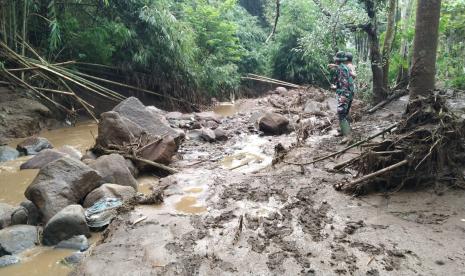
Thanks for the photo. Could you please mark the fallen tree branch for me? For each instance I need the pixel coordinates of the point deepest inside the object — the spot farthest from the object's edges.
(388, 100)
(347, 148)
(375, 174)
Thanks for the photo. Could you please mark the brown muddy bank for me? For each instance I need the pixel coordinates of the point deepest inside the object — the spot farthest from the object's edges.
(229, 212)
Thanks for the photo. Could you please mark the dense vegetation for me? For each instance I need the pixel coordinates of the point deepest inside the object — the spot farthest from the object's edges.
(200, 48)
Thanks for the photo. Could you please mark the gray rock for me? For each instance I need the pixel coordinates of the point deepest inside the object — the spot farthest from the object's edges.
(77, 243)
(67, 223)
(281, 90)
(221, 135)
(6, 211)
(115, 129)
(113, 169)
(74, 259)
(42, 158)
(208, 116)
(33, 145)
(17, 238)
(61, 183)
(19, 216)
(160, 152)
(109, 191)
(194, 134)
(313, 106)
(8, 260)
(8, 153)
(70, 151)
(151, 122)
(207, 135)
(273, 123)
(33, 214)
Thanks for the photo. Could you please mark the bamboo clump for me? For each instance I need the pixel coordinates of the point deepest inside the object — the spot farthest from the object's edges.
(52, 82)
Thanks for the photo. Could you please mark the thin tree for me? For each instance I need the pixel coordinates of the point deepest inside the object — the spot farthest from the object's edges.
(388, 40)
(423, 72)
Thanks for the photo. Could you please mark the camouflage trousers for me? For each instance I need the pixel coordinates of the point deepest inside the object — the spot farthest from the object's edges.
(344, 102)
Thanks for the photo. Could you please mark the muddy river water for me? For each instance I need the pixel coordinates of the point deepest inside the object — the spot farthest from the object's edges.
(13, 182)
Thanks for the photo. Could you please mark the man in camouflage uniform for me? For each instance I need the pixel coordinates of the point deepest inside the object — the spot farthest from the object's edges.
(344, 84)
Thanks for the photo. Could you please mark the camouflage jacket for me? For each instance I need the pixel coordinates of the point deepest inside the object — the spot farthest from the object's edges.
(342, 79)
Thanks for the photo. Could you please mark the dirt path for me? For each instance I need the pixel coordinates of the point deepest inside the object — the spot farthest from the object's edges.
(283, 220)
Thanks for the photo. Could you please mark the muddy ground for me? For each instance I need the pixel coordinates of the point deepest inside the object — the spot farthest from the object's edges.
(221, 218)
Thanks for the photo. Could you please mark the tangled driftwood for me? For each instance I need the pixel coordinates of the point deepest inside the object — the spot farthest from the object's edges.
(427, 147)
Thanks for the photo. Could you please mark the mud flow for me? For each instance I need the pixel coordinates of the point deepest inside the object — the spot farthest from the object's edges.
(229, 211)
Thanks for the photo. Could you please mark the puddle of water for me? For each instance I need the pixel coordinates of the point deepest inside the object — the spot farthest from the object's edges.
(40, 261)
(189, 205)
(226, 109)
(249, 158)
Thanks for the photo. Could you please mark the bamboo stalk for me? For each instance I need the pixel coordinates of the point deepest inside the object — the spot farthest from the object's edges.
(33, 89)
(133, 87)
(263, 77)
(268, 81)
(72, 80)
(36, 68)
(54, 91)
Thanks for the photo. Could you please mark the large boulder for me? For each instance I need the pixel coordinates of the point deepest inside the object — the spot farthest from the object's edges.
(17, 238)
(114, 129)
(8, 153)
(109, 191)
(273, 123)
(33, 145)
(61, 183)
(113, 169)
(69, 222)
(41, 159)
(150, 121)
(6, 211)
(161, 151)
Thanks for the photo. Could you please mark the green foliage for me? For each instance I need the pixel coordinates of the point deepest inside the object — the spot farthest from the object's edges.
(201, 48)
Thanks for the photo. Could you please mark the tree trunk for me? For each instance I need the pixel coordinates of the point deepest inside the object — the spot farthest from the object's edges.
(379, 91)
(406, 13)
(422, 75)
(388, 39)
